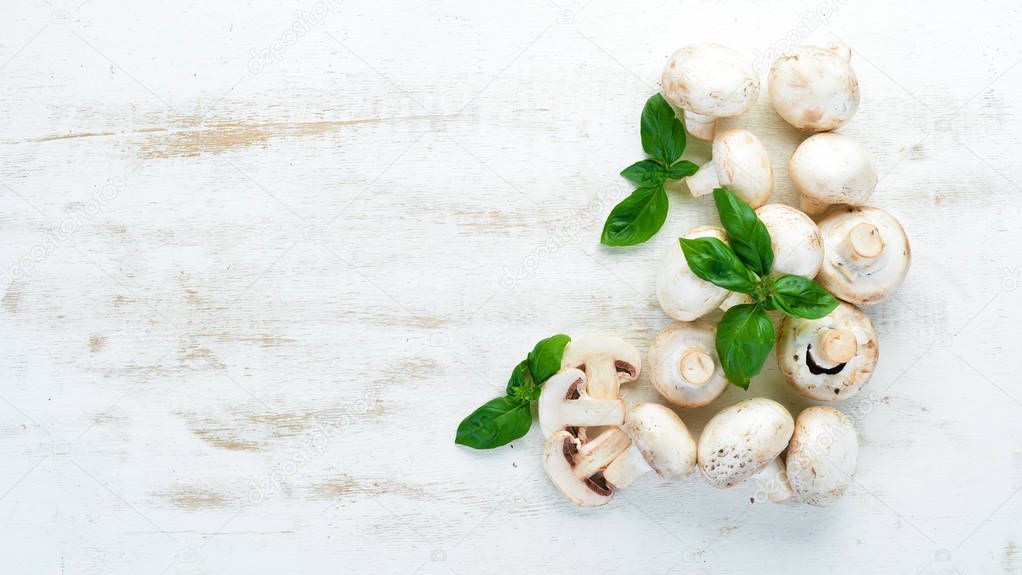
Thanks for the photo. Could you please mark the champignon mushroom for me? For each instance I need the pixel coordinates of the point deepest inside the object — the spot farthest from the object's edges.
(708, 81)
(744, 441)
(607, 361)
(740, 162)
(660, 443)
(565, 403)
(682, 294)
(683, 364)
(828, 169)
(822, 455)
(830, 358)
(866, 254)
(814, 88)
(576, 467)
(795, 240)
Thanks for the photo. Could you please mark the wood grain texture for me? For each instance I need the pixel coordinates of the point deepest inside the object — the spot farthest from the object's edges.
(260, 259)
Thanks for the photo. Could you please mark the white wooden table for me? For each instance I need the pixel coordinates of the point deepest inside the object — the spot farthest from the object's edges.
(259, 259)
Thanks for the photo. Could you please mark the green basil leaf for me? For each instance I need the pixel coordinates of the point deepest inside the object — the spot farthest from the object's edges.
(521, 385)
(801, 297)
(545, 358)
(663, 134)
(637, 218)
(497, 422)
(746, 234)
(682, 169)
(744, 338)
(713, 261)
(645, 173)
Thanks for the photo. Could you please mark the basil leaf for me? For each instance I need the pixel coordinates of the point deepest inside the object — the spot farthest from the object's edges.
(637, 218)
(682, 169)
(663, 134)
(746, 234)
(645, 173)
(801, 297)
(744, 338)
(713, 261)
(497, 422)
(521, 385)
(545, 358)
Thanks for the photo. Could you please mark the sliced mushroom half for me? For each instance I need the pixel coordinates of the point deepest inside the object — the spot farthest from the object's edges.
(866, 254)
(683, 364)
(830, 358)
(576, 467)
(607, 361)
(564, 403)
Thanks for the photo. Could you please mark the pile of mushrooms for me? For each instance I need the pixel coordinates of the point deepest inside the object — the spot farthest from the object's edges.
(596, 444)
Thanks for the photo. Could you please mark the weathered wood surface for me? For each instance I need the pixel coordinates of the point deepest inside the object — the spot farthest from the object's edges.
(253, 280)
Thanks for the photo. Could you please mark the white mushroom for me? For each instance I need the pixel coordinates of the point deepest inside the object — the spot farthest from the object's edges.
(660, 443)
(565, 404)
(744, 441)
(866, 254)
(828, 169)
(683, 364)
(709, 81)
(740, 163)
(830, 358)
(813, 88)
(607, 361)
(682, 294)
(576, 467)
(794, 239)
(822, 455)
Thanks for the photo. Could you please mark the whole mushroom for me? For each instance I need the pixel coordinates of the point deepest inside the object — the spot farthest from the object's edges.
(564, 403)
(830, 358)
(795, 240)
(865, 254)
(740, 163)
(575, 466)
(744, 441)
(814, 88)
(607, 361)
(683, 364)
(708, 81)
(682, 294)
(822, 455)
(828, 169)
(660, 443)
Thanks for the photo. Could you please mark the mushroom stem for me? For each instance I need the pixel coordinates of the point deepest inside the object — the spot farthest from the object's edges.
(628, 467)
(700, 126)
(838, 345)
(773, 480)
(864, 241)
(704, 180)
(601, 374)
(697, 366)
(597, 454)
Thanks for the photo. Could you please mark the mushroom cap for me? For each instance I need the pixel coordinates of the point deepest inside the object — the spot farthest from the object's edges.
(710, 79)
(559, 461)
(742, 439)
(589, 348)
(662, 439)
(822, 455)
(865, 254)
(743, 165)
(832, 169)
(682, 294)
(564, 402)
(814, 88)
(794, 238)
(683, 352)
(802, 339)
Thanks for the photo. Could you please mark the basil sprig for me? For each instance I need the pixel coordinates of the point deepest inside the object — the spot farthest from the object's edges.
(504, 419)
(745, 333)
(641, 215)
